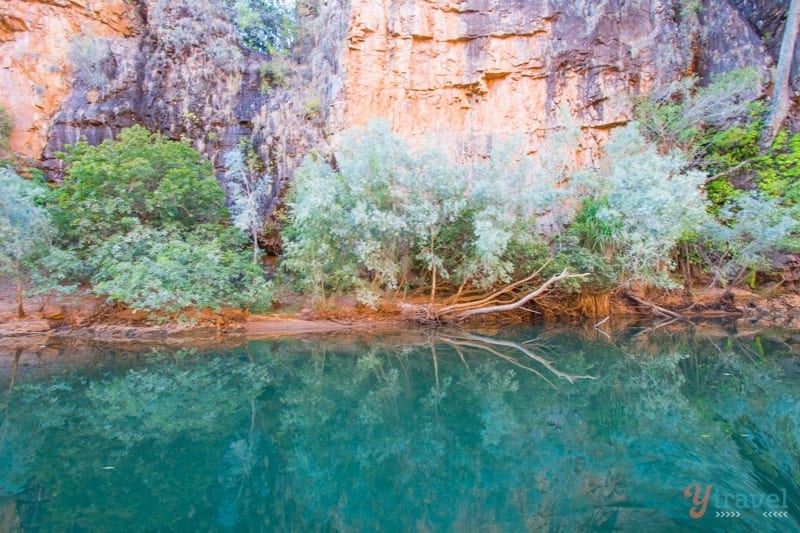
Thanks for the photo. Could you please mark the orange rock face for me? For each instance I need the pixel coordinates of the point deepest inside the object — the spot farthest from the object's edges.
(484, 68)
(35, 74)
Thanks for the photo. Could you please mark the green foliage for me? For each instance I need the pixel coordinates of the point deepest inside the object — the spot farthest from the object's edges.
(158, 269)
(679, 115)
(142, 214)
(748, 228)
(779, 169)
(734, 154)
(266, 26)
(6, 123)
(389, 217)
(141, 179)
(642, 204)
(24, 226)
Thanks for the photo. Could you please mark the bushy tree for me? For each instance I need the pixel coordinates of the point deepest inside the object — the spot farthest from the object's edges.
(643, 204)
(159, 269)
(25, 230)
(746, 230)
(143, 178)
(389, 216)
(144, 215)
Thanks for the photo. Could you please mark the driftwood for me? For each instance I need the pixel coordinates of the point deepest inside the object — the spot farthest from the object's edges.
(499, 301)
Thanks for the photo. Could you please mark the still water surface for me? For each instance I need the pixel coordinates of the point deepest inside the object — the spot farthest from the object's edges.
(524, 430)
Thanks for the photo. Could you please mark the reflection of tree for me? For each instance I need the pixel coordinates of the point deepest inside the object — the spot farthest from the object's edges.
(439, 434)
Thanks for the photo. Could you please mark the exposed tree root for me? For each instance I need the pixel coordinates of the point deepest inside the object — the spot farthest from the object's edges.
(655, 308)
(500, 301)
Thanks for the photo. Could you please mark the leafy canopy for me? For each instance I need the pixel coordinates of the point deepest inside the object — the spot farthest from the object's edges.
(24, 225)
(160, 269)
(267, 26)
(144, 214)
(390, 217)
(141, 179)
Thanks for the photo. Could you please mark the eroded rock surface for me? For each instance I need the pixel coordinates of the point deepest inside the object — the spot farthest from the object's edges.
(487, 67)
(36, 76)
(476, 69)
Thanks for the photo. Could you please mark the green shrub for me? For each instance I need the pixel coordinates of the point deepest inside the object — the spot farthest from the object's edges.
(644, 203)
(141, 179)
(267, 26)
(161, 269)
(390, 217)
(747, 229)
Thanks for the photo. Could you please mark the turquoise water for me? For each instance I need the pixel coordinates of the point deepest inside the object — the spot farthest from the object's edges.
(527, 430)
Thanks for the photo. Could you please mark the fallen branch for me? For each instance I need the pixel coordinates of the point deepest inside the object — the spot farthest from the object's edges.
(448, 309)
(656, 309)
(460, 312)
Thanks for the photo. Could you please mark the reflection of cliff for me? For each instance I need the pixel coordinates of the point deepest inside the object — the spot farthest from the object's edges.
(471, 68)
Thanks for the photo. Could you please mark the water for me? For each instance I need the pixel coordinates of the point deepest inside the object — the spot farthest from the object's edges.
(528, 430)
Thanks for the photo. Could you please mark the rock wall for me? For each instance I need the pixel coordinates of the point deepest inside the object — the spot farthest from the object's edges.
(484, 68)
(36, 76)
(475, 69)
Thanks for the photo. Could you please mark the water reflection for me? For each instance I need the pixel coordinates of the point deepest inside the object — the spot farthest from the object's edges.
(432, 430)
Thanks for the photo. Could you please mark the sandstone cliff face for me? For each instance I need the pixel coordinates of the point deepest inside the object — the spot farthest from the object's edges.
(483, 68)
(35, 72)
(475, 69)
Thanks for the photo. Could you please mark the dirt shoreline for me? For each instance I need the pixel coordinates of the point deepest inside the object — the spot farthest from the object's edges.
(86, 319)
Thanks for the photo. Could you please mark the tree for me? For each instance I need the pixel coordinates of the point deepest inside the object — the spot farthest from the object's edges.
(390, 217)
(748, 228)
(267, 26)
(25, 229)
(141, 179)
(249, 194)
(648, 201)
(145, 214)
(781, 90)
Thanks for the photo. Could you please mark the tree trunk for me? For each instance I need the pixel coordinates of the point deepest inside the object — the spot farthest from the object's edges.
(781, 90)
(254, 233)
(20, 309)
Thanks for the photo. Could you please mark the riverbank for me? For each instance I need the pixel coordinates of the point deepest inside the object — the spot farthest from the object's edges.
(85, 317)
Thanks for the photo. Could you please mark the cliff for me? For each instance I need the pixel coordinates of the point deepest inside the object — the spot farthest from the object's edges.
(35, 72)
(482, 68)
(474, 69)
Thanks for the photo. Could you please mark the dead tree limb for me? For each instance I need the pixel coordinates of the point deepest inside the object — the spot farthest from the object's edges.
(474, 304)
(656, 309)
(482, 307)
(781, 90)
